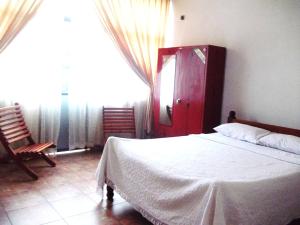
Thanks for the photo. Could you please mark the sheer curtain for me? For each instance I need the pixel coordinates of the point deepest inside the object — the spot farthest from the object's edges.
(138, 28)
(30, 74)
(64, 49)
(14, 14)
(97, 76)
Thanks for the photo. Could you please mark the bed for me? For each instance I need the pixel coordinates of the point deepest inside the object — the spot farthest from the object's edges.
(205, 179)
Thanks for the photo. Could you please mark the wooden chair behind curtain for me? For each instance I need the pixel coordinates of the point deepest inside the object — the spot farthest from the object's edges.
(118, 121)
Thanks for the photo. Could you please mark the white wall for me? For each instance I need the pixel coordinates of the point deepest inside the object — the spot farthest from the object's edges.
(262, 37)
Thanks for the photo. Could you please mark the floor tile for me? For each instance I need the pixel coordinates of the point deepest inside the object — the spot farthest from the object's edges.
(41, 184)
(126, 214)
(92, 218)
(2, 211)
(4, 220)
(35, 215)
(60, 192)
(59, 222)
(73, 206)
(20, 200)
(105, 203)
(56, 181)
(3, 217)
(18, 186)
(120, 210)
(85, 186)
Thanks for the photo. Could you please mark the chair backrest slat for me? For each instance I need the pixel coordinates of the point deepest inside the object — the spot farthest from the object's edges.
(13, 128)
(9, 121)
(18, 138)
(5, 113)
(12, 124)
(17, 134)
(9, 108)
(118, 120)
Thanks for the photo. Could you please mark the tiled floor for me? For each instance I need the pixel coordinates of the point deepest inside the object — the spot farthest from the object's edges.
(62, 195)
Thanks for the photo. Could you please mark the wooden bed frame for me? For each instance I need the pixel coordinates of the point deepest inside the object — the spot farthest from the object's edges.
(283, 130)
(232, 119)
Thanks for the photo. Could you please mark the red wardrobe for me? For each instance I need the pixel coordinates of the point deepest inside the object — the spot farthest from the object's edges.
(188, 90)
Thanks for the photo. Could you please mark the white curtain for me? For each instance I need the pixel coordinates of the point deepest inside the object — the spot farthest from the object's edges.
(63, 49)
(138, 28)
(98, 76)
(30, 74)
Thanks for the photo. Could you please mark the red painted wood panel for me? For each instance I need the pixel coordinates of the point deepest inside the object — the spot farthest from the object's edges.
(198, 90)
(180, 95)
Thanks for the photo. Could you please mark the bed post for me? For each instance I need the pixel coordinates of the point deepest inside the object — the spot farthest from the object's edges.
(231, 116)
(110, 193)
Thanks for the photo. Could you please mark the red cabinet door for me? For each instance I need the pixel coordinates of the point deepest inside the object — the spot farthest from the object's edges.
(189, 92)
(188, 96)
(161, 127)
(195, 67)
(181, 94)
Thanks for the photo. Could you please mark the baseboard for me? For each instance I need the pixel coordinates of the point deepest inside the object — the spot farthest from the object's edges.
(97, 148)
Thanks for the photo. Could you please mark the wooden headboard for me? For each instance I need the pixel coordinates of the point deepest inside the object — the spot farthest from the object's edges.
(284, 130)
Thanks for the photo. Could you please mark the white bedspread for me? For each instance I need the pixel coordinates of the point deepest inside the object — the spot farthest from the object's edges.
(204, 180)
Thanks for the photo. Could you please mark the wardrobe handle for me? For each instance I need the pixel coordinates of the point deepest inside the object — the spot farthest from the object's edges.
(178, 101)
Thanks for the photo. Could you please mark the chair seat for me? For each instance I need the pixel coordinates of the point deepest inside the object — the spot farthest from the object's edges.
(33, 148)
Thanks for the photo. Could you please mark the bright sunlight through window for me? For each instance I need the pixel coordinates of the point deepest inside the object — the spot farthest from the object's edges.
(64, 49)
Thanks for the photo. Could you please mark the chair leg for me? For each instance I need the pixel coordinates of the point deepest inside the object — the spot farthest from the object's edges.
(25, 168)
(47, 159)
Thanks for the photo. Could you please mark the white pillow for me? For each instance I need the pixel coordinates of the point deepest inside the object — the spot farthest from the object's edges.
(242, 132)
(283, 142)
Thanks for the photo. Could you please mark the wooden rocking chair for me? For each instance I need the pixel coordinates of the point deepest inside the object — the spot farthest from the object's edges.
(13, 129)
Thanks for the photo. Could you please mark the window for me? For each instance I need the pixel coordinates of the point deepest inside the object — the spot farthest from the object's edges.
(65, 49)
